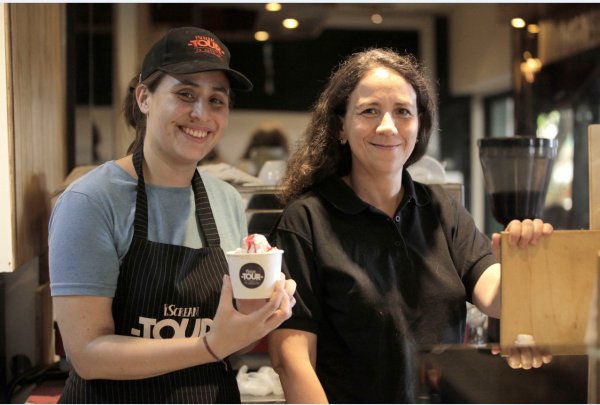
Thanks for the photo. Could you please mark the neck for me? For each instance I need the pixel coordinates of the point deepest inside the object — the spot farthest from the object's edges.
(384, 193)
(161, 171)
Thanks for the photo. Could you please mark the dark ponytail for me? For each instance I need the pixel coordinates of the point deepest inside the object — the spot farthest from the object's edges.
(131, 111)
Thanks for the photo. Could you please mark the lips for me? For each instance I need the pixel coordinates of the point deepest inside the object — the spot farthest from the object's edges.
(377, 145)
(196, 133)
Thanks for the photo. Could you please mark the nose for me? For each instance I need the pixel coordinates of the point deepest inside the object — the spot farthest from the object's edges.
(198, 110)
(387, 126)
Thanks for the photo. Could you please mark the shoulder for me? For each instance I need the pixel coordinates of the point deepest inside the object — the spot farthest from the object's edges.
(102, 193)
(301, 214)
(219, 188)
(436, 195)
(309, 201)
(446, 206)
(104, 180)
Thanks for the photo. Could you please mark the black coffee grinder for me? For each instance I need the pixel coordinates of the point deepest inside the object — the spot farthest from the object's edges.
(517, 171)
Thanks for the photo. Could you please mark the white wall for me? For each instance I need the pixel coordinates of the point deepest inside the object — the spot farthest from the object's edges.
(231, 147)
(488, 72)
(103, 118)
(243, 122)
(477, 27)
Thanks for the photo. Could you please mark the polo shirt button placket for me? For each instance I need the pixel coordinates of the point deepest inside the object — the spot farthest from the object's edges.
(397, 219)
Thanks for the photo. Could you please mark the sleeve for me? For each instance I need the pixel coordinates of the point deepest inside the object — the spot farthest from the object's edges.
(471, 249)
(82, 253)
(299, 264)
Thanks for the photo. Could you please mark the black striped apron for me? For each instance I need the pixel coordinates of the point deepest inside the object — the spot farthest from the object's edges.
(165, 291)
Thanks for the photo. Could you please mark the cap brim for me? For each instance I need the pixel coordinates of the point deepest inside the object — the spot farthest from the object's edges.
(237, 81)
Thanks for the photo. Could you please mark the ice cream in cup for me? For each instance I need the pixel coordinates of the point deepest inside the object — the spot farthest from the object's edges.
(254, 268)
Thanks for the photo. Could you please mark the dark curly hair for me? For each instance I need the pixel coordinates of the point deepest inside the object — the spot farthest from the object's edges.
(320, 154)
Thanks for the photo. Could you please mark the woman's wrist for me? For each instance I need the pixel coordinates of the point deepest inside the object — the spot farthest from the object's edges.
(215, 355)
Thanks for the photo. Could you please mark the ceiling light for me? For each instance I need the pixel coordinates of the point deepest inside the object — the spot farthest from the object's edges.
(261, 36)
(518, 23)
(376, 18)
(530, 67)
(272, 6)
(290, 23)
(533, 29)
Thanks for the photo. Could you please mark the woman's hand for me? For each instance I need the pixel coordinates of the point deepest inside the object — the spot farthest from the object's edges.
(234, 329)
(526, 357)
(247, 306)
(522, 234)
(486, 294)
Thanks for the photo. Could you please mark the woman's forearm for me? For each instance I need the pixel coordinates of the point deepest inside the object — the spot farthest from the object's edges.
(293, 356)
(487, 292)
(126, 358)
(301, 385)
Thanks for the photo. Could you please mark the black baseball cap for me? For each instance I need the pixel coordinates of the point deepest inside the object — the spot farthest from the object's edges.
(192, 50)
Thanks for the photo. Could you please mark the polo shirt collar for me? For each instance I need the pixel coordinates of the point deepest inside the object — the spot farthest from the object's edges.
(341, 196)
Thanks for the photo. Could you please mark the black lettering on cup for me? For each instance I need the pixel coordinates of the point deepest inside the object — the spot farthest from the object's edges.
(252, 275)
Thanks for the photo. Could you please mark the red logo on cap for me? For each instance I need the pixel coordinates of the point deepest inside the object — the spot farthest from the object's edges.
(207, 45)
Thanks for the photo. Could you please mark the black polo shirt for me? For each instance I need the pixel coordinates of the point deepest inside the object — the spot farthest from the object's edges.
(375, 288)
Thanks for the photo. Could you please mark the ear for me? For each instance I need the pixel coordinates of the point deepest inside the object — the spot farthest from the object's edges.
(142, 96)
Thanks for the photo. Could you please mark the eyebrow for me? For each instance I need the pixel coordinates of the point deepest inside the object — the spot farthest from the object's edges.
(188, 82)
(377, 103)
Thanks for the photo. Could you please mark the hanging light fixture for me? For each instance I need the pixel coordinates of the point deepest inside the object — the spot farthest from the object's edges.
(273, 7)
(261, 36)
(290, 23)
(376, 18)
(518, 22)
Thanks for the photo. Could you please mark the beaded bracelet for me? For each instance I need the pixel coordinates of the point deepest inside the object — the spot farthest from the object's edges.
(213, 353)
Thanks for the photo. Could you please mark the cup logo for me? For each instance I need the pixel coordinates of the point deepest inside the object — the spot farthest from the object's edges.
(252, 275)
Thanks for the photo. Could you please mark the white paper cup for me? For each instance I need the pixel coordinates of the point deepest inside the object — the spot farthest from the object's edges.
(253, 275)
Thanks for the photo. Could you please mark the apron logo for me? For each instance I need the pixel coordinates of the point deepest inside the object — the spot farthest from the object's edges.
(152, 328)
(186, 312)
(252, 275)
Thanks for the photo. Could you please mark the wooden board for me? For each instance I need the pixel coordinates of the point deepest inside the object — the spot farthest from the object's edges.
(547, 290)
(37, 41)
(594, 174)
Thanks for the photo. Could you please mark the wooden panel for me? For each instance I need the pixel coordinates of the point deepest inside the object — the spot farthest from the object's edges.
(594, 173)
(7, 197)
(547, 289)
(592, 339)
(39, 115)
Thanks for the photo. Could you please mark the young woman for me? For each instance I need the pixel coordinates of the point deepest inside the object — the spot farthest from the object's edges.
(138, 272)
(384, 265)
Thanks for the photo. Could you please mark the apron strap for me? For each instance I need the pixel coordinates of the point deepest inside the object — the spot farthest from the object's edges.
(204, 213)
(140, 223)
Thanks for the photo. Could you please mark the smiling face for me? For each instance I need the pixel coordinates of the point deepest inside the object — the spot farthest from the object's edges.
(381, 124)
(185, 116)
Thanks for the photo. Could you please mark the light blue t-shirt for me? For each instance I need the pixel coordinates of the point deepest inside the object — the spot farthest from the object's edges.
(91, 226)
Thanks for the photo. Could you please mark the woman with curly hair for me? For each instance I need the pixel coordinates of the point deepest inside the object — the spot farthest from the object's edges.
(384, 264)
